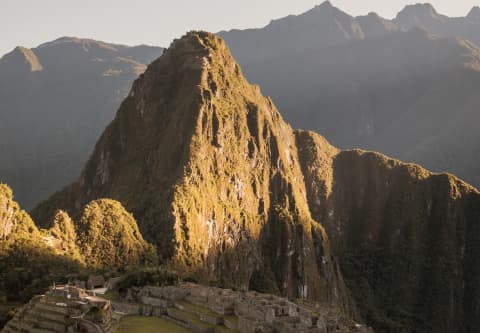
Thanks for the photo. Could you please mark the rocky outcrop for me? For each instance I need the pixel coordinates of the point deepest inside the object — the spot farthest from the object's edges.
(233, 196)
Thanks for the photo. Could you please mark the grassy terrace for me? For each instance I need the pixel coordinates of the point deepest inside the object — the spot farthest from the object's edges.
(196, 308)
(137, 324)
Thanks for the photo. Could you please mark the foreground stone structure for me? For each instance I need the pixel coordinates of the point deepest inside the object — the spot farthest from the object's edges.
(64, 309)
(214, 310)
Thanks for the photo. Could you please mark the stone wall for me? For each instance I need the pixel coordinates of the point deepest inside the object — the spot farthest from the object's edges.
(208, 309)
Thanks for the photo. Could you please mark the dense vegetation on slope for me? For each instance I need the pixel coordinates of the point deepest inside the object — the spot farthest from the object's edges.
(27, 263)
(234, 196)
(209, 169)
(124, 244)
(106, 238)
(407, 239)
(64, 92)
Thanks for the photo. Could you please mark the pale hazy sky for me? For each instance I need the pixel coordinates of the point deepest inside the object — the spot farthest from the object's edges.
(157, 22)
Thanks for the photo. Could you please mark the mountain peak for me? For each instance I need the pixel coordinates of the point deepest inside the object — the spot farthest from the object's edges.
(327, 7)
(197, 51)
(474, 14)
(23, 57)
(199, 41)
(426, 8)
(85, 43)
(417, 13)
(325, 4)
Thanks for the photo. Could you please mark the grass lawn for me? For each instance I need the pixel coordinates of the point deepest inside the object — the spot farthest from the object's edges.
(137, 324)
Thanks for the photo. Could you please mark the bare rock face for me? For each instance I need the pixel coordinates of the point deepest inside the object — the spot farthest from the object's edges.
(233, 196)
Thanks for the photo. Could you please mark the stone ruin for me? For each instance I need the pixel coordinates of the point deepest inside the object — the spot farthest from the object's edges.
(63, 309)
(213, 310)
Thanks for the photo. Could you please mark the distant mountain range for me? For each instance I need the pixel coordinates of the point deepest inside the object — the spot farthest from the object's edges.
(55, 101)
(406, 87)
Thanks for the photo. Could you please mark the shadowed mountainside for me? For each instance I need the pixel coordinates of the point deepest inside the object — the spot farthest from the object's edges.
(392, 86)
(227, 190)
(56, 100)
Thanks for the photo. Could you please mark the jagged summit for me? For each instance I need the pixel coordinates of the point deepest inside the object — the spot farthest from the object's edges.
(326, 5)
(198, 41)
(420, 15)
(326, 9)
(374, 25)
(419, 9)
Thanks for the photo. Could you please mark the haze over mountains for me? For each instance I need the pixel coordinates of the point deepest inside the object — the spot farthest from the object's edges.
(55, 101)
(406, 87)
(369, 82)
(228, 192)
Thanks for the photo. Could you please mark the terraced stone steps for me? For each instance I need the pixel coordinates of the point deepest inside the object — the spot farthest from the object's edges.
(40, 318)
(44, 315)
(41, 322)
(206, 309)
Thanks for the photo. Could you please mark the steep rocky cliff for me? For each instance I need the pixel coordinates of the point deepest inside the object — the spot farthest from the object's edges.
(210, 170)
(233, 196)
(408, 240)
